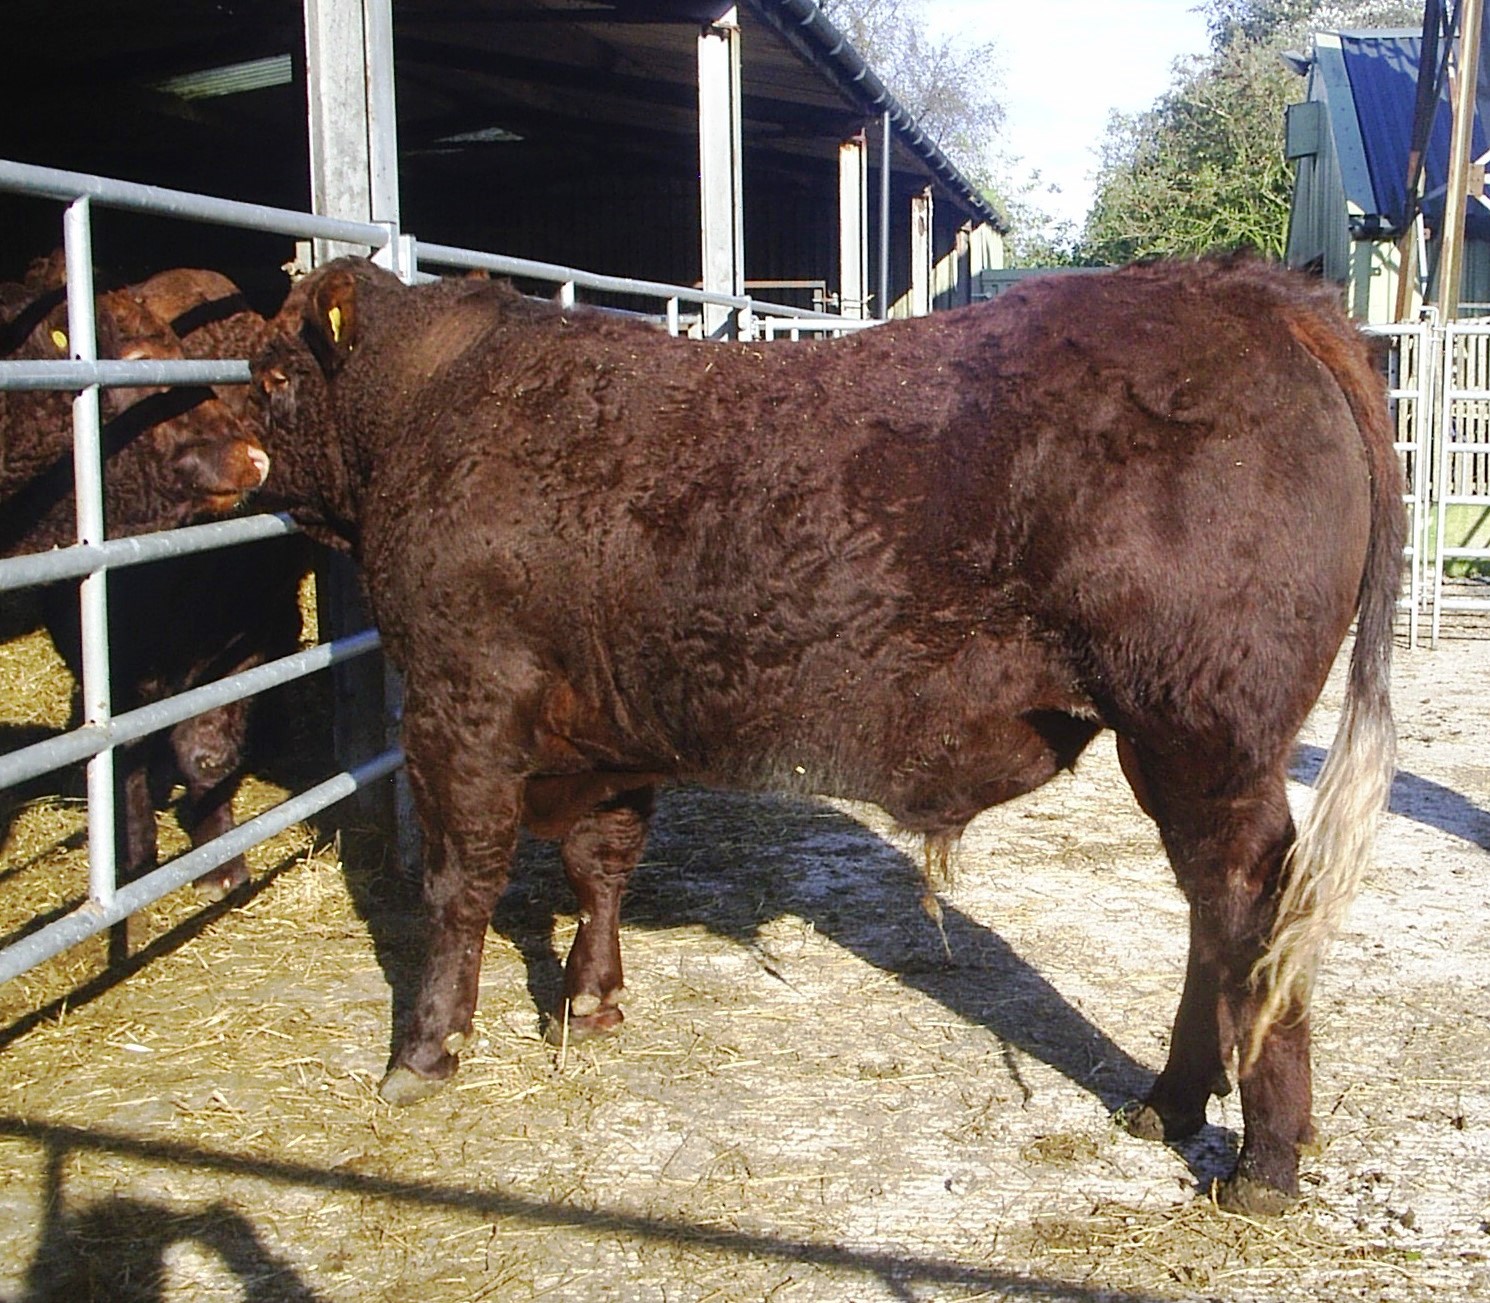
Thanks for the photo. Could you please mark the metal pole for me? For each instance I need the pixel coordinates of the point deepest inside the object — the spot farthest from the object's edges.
(884, 296)
(93, 595)
(1451, 256)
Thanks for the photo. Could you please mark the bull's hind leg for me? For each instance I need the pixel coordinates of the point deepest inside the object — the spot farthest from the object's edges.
(470, 818)
(599, 853)
(1227, 846)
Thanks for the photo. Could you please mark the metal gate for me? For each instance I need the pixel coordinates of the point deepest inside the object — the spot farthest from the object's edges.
(1461, 471)
(1410, 378)
(94, 555)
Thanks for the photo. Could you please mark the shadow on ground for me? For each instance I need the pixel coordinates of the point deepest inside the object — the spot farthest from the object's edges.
(733, 864)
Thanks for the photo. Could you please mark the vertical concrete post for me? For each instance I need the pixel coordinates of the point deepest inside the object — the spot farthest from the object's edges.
(853, 227)
(885, 171)
(922, 254)
(350, 103)
(354, 175)
(721, 187)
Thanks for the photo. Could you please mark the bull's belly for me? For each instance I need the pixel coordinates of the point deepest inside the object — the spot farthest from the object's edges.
(929, 780)
(933, 741)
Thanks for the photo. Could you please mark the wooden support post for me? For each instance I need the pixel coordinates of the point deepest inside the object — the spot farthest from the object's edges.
(1451, 249)
(853, 227)
(721, 187)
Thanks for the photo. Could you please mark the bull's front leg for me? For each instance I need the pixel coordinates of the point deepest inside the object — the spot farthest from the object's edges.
(599, 852)
(470, 821)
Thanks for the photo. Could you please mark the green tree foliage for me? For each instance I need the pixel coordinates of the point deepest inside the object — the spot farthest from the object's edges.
(1204, 167)
(950, 86)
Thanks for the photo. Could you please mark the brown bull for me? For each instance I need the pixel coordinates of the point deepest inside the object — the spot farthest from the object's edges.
(922, 567)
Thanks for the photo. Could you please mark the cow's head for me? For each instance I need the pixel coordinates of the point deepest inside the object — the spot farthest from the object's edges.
(170, 454)
(196, 455)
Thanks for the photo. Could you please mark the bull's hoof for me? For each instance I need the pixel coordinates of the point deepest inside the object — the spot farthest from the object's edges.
(604, 1021)
(1142, 1120)
(221, 882)
(1253, 1198)
(403, 1086)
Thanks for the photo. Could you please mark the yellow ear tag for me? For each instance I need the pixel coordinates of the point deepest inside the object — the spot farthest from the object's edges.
(333, 319)
(59, 338)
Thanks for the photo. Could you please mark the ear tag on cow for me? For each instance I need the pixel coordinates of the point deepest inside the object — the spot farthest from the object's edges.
(59, 338)
(333, 319)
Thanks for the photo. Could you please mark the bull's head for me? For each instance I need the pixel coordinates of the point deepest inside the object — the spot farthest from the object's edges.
(170, 454)
(314, 334)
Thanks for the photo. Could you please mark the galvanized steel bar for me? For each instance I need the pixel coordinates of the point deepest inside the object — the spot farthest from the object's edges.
(55, 183)
(111, 374)
(93, 597)
(446, 255)
(90, 919)
(94, 739)
(115, 553)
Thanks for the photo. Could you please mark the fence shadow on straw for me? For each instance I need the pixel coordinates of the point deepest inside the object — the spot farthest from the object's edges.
(83, 1256)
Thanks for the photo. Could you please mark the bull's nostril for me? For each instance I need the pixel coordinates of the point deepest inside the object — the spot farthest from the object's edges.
(260, 459)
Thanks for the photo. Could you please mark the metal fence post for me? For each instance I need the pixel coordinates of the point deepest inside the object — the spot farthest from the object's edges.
(82, 344)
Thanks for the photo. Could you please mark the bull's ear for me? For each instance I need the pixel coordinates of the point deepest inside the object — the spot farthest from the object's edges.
(329, 324)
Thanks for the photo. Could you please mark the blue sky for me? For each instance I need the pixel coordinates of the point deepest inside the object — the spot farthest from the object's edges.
(1067, 64)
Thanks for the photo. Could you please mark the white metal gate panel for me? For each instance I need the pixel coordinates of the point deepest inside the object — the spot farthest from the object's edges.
(1410, 378)
(1462, 462)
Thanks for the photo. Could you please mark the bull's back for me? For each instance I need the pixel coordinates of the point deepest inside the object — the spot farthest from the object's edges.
(839, 563)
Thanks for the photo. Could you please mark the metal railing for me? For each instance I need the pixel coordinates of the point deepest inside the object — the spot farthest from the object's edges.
(93, 556)
(747, 312)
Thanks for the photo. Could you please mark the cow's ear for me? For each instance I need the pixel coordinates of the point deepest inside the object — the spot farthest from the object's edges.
(329, 324)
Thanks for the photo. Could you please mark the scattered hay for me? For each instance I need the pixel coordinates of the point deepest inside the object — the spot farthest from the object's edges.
(1198, 1246)
(810, 1099)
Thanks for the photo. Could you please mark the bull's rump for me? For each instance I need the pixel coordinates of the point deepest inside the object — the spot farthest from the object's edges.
(909, 566)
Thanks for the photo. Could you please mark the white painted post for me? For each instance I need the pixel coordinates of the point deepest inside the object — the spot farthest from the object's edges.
(353, 135)
(354, 175)
(853, 227)
(921, 253)
(721, 188)
(883, 307)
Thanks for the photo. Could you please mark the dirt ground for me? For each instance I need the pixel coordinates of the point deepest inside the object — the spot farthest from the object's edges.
(811, 1099)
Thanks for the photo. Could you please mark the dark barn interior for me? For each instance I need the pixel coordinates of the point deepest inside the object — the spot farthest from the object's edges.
(562, 130)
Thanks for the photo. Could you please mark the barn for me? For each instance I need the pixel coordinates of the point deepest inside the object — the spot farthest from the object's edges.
(570, 133)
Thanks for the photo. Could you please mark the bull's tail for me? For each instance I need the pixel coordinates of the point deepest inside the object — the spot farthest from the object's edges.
(1333, 849)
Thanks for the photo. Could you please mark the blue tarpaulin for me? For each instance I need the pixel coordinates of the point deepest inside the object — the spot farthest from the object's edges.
(1383, 72)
